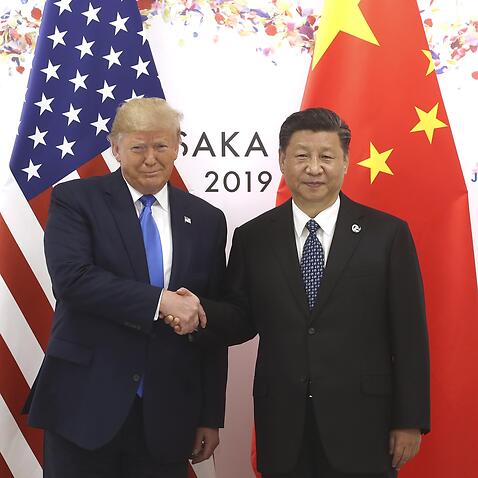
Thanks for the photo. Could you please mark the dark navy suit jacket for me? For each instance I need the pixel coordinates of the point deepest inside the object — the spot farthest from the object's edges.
(103, 337)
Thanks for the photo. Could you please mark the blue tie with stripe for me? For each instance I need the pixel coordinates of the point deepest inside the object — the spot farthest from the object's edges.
(312, 263)
(154, 251)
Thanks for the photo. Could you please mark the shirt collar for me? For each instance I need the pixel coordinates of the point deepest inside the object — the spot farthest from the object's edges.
(161, 196)
(326, 219)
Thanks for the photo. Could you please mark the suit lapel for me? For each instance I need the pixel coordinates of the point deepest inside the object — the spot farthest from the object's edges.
(284, 247)
(181, 230)
(118, 199)
(344, 242)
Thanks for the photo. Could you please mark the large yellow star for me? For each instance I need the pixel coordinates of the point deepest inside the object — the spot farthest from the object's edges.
(431, 64)
(428, 122)
(340, 16)
(377, 162)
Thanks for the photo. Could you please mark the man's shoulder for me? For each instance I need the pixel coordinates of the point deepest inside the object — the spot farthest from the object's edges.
(83, 185)
(192, 202)
(373, 214)
(264, 220)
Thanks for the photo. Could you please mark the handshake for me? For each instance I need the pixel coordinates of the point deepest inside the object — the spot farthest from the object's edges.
(182, 311)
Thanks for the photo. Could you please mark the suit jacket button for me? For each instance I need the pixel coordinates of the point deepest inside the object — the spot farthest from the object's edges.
(136, 377)
(311, 331)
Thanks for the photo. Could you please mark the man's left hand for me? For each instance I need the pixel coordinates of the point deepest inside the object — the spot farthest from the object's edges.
(404, 445)
(205, 443)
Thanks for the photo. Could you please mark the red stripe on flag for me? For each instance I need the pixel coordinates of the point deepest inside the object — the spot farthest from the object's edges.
(24, 286)
(14, 390)
(94, 167)
(4, 470)
(40, 205)
(191, 473)
(177, 181)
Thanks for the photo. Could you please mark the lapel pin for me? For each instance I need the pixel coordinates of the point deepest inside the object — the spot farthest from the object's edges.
(356, 228)
(187, 220)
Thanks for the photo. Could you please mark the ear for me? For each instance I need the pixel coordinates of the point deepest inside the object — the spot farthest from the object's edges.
(281, 160)
(115, 150)
(346, 163)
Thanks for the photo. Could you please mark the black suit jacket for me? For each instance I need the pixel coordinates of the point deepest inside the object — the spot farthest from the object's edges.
(362, 352)
(103, 337)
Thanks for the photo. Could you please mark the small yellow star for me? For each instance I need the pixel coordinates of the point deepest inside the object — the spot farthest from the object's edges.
(428, 122)
(340, 16)
(377, 162)
(431, 65)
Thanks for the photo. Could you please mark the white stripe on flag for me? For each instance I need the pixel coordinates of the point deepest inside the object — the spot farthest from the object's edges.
(18, 336)
(110, 160)
(68, 177)
(26, 230)
(14, 448)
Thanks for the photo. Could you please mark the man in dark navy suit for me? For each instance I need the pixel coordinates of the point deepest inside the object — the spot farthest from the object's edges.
(334, 291)
(119, 394)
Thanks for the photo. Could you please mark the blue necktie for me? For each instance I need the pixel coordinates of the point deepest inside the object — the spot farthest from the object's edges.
(154, 252)
(312, 263)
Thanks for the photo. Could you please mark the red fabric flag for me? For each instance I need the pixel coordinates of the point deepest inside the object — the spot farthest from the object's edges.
(372, 66)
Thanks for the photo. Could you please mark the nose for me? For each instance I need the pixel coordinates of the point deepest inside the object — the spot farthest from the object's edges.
(150, 157)
(314, 166)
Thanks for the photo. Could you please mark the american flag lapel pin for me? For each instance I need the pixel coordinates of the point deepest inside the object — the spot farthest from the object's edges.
(187, 220)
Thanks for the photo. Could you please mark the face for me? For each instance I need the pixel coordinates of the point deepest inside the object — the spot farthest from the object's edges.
(147, 158)
(313, 165)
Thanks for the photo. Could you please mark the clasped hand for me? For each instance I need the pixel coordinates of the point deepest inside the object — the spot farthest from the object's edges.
(182, 311)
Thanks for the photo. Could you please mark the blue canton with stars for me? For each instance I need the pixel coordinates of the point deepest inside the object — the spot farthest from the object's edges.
(312, 263)
(90, 57)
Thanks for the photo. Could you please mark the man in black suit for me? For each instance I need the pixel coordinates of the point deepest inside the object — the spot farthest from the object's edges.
(119, 394)
(333, 288)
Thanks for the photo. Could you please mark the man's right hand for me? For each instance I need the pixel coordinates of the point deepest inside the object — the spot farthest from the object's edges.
(181, 310)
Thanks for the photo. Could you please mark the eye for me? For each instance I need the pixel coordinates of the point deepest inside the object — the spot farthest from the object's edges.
(137, 148)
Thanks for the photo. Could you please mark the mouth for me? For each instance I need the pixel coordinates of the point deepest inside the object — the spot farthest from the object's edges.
(313, 184)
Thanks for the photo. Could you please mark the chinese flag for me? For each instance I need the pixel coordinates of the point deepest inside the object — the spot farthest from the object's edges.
(372, 66)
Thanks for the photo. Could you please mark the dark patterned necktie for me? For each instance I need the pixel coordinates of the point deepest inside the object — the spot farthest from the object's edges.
(312, 263)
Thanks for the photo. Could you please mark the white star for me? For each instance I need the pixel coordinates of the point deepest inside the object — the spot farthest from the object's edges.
(63, 5)
(119, 23)
(79, 80)
(113, 58)
(38, 137)
(44, 104)
(32, 170)
(72, 114)
(85, 47)
(141, 67)
(134, 95)
(142, 34)
(65, 147)
(106, 91)
(91, 14)
(57, 37)
(100, 124)
(50, 71)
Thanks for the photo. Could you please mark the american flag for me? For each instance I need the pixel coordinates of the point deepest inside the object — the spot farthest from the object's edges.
(90, 57)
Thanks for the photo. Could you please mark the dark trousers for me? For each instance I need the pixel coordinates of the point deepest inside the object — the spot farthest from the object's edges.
(313, 463)
(126, 456)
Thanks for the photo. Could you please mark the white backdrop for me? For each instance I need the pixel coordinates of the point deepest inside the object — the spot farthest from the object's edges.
(228, 79)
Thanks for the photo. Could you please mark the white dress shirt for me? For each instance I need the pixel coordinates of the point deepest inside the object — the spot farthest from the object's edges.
(162, 218)
(326, 219)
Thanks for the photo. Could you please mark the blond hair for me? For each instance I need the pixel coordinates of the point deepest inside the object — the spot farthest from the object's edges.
(144, 114)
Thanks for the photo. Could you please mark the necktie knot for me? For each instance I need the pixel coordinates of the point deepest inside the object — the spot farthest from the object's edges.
(147, 200)
(312, 226)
